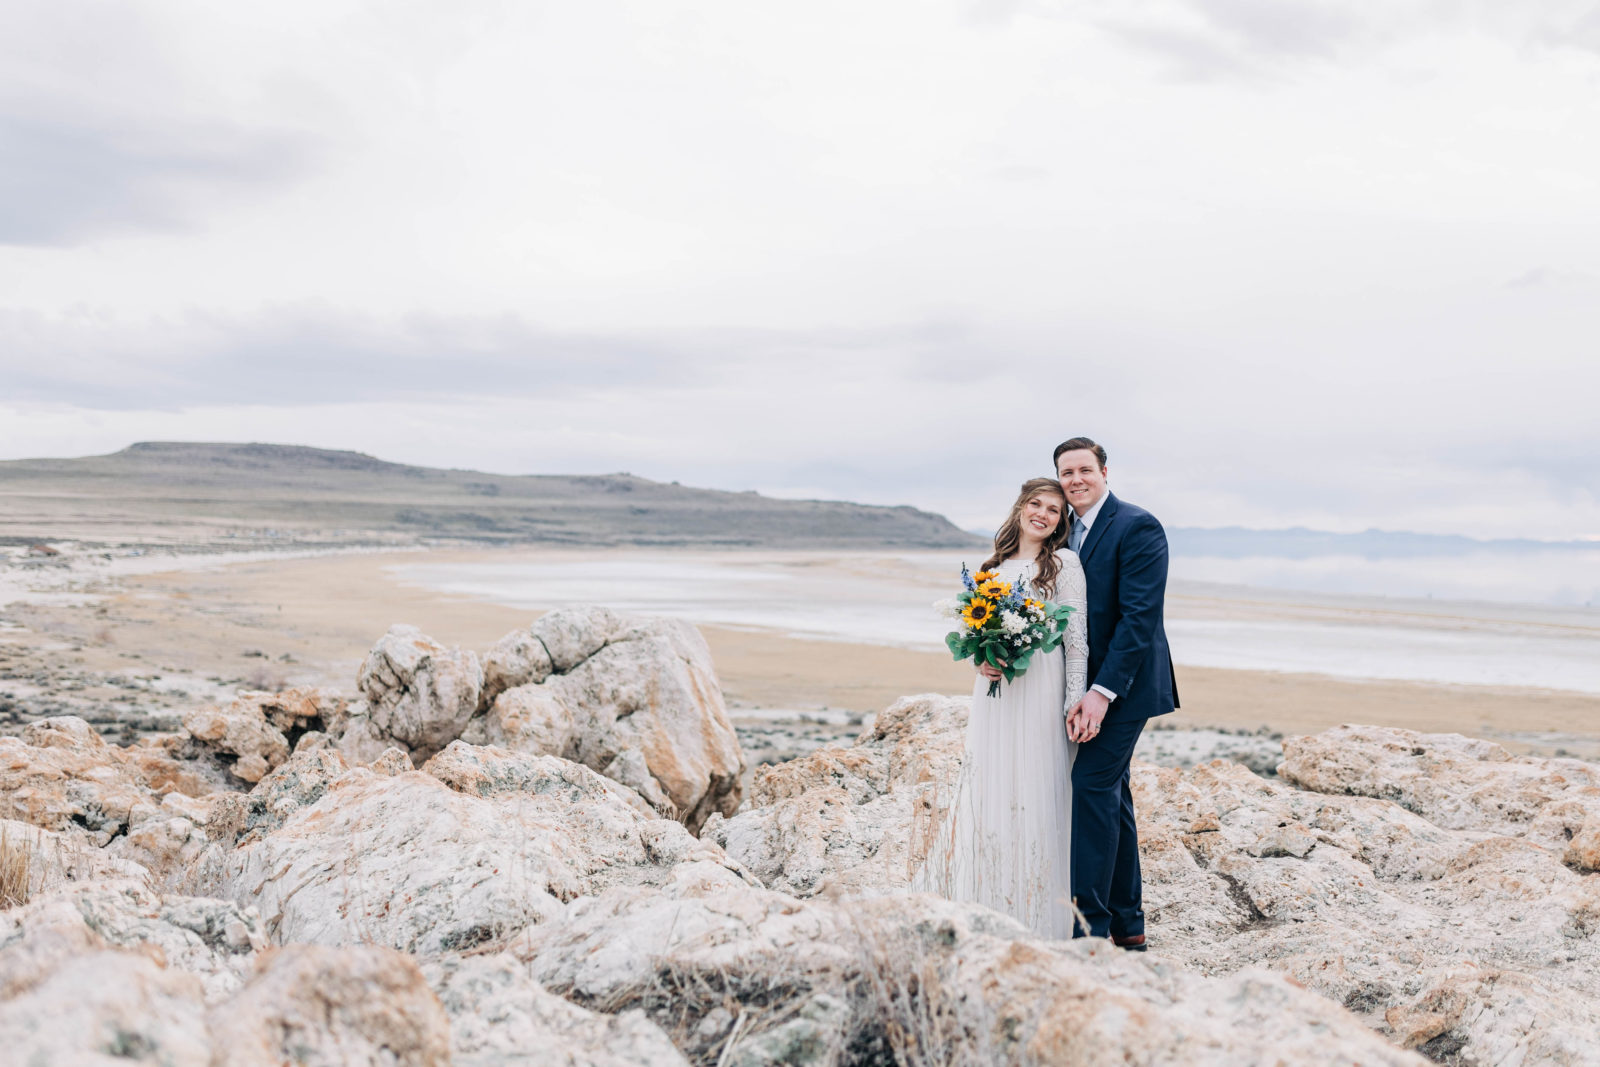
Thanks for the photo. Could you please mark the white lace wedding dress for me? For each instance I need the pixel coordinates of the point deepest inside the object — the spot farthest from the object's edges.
(1005, 838)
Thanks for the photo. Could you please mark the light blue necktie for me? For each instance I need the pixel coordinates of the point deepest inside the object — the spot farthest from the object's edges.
(1075, 539)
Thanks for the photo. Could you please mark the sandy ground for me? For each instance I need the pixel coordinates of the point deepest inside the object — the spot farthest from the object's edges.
(266, 623)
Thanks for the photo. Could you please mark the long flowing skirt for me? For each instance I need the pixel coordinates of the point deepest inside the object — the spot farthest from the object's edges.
(1005, 840)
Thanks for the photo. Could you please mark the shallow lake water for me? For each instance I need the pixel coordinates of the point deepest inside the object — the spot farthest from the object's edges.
(1342, 616)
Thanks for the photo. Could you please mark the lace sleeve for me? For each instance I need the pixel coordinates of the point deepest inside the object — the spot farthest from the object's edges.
(1073, 592)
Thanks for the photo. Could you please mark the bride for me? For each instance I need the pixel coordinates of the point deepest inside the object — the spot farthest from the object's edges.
(1006, 841)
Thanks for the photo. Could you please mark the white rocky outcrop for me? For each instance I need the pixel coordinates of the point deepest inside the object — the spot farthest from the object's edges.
(105, 1007)
(61, 775)
(499, 1013)
(517, 659)
(111, 973)
(636, 699)
(1458, 783)
(528, 718)
(1434, 884)
(913, 979)
(419, 693)
(258, 730)
(633, 698)
(473, 848)
(858, 816)
(1389, 894)
(213, 941)
(312, 1004)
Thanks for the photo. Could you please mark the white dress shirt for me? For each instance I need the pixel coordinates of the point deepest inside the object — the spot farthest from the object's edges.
(1087, 519)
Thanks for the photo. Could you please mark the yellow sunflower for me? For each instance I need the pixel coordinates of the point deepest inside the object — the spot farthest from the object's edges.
(977, 612)
(994, 587)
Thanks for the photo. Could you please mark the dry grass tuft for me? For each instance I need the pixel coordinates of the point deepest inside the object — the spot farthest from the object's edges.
(32, 861)
(707, 1012)
(897, 1002)
(18, 868)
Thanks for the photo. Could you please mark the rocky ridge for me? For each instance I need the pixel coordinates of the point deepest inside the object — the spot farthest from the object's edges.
(493, 858)
(1435, 885)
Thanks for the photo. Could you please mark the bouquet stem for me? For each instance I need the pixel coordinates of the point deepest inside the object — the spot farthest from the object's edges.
(994, 688)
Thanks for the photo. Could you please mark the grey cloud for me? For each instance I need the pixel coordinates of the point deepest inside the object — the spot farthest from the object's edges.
(1253, 40)
(1241, 39)
(1190, 56)
(301, 356)
(1582, 32)
(1273, 28)
(1547, 278)
(66, 180)
(1022, 172)
(313, 355)
(993, 12)
(1564, 462)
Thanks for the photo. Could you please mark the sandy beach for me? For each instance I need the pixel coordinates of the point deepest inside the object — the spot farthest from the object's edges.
(275, 621)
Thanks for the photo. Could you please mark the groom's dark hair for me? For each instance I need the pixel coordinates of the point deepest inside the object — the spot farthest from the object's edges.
(1075, 443)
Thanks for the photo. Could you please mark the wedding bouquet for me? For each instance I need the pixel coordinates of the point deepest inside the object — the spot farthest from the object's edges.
(1001, 623)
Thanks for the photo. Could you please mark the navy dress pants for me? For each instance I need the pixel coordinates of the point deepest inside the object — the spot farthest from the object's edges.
(1105, 840)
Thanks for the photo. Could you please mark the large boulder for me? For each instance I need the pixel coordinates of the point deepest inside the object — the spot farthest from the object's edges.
(751, 977)
(106, 1008)
(517, 659)
(419, 693)
(474, 849)
(636, 699)
(109, 973)
(856, 816)
(60, 775)
(1435, 885)
(500, 1014)
(307, 1004)
(1451, 935)
(1457, 782)
(258, 730)
(652, 691)
(526, 718)
(213, 941)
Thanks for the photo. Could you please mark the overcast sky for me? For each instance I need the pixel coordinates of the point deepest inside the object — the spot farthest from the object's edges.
(1330, 264)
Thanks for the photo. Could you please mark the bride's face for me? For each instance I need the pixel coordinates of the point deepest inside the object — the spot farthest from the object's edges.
(1040, 516)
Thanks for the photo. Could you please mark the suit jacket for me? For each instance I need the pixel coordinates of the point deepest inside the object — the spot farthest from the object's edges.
(1124, 561)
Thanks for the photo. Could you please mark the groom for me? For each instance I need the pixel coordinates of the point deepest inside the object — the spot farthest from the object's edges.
(1124, 555)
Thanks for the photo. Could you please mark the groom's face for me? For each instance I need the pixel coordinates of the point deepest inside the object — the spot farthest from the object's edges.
(1082, 478)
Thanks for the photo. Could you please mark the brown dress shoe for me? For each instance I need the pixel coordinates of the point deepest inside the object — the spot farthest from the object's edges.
(1132, 944)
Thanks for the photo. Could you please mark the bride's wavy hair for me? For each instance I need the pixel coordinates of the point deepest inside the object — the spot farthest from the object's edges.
(1009, 537)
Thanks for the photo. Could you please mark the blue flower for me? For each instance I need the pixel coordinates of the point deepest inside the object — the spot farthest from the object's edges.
(966, 579)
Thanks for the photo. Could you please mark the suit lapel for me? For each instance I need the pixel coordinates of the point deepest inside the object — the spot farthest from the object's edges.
(1102, 522)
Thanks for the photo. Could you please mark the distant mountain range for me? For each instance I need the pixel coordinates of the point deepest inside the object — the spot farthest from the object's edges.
(1300, 543)
(267, 493)
(1238, 542)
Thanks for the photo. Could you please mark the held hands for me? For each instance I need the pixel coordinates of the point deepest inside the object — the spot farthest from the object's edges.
(990, 672)
(1084, 717)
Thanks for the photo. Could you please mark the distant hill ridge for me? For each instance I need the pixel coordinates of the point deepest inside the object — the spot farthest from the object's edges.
(304, 490)
(256, 454)
(1301, 543)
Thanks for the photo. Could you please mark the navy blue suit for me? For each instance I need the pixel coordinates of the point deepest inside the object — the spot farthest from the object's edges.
(1124, 561)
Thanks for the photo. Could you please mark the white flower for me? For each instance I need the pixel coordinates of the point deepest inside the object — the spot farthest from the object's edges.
(948, 609)
(1012, 623)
